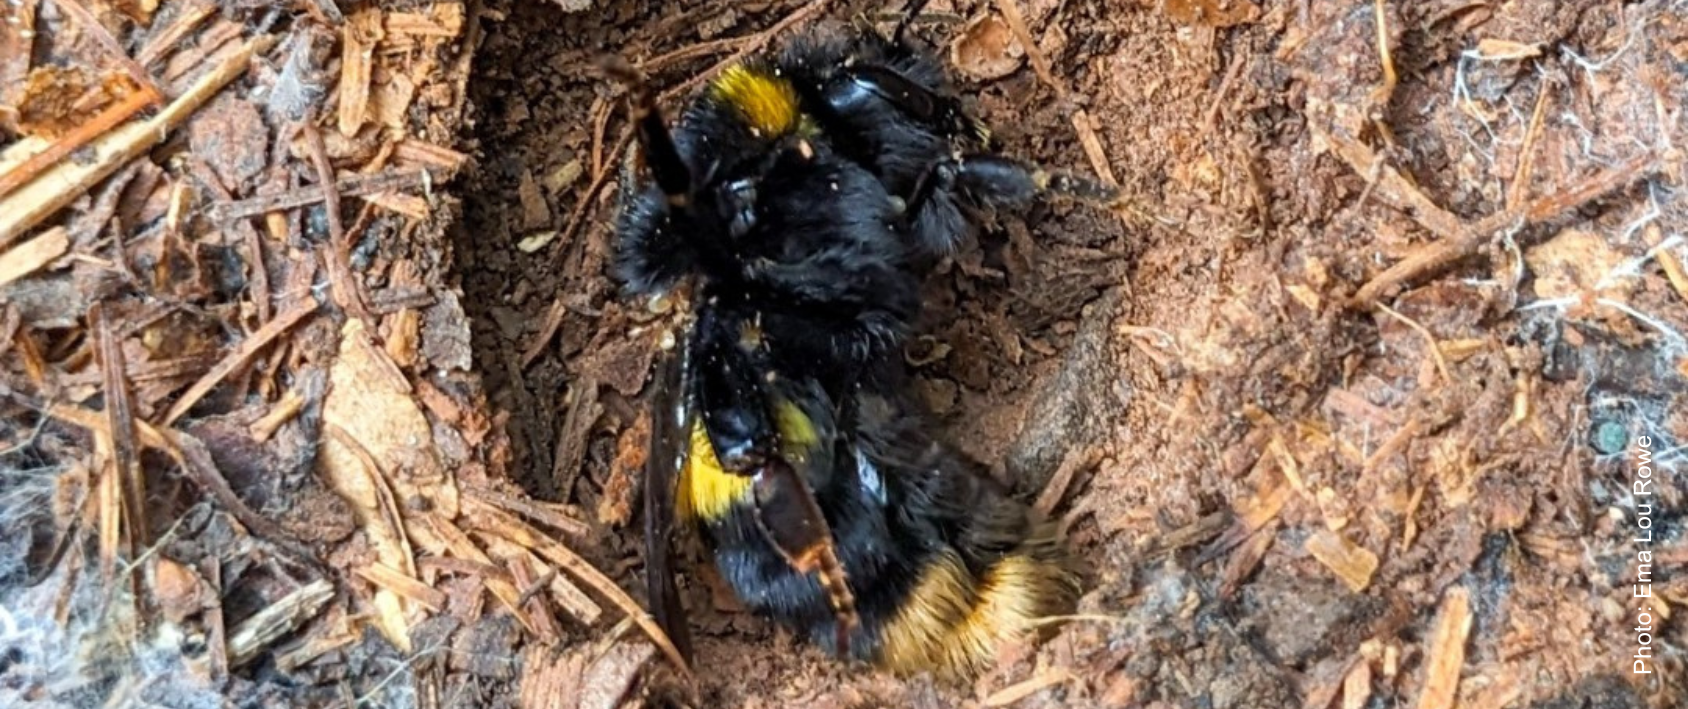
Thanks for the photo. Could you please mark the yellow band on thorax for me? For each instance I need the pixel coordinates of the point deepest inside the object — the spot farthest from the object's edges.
(768, 102)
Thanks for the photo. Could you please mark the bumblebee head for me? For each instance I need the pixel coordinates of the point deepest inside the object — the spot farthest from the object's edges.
(708, 179)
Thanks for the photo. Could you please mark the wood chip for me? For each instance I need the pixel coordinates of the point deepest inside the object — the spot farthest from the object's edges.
(1352, 563)
(581, 677)
(1504, 50)
(270, 623)
(1093, 149)
(31, 256)
(427, 154)
(402, 584)
(357, 57)
(1357, 686)
(1446, 650)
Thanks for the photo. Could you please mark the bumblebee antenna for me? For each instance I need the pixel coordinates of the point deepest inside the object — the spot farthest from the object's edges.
(661, 156)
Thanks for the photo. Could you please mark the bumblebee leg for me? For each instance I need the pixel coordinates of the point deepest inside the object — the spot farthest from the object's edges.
(669, 171)
(909, 15)
(790, 519)
(994, 181)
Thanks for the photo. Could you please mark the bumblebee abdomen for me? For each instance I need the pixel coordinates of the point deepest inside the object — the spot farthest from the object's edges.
(929, 601)
(954, 623)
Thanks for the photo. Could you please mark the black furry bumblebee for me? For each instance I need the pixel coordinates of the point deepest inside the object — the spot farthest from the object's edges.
(793, 212)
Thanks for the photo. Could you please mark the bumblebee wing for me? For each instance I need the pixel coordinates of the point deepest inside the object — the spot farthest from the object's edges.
(670, 424)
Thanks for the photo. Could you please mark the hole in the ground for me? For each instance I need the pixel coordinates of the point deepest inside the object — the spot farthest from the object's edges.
(554, 343)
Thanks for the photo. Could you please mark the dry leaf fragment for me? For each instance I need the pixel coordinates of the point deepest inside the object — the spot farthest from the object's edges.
(536, 212)
(986, 49)
(381, 458)
(1350, 562)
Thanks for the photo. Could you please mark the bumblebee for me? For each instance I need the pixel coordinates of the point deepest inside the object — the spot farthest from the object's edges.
(793, 212)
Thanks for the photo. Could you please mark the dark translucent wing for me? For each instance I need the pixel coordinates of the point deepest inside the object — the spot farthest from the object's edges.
(670, 428)
(733, 395)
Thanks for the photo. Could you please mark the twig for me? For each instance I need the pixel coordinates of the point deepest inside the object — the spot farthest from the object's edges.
(1056, 489)
(291, 403)
(536, 511)
(72, 141)
(495, 521)
(343, 284)
(1211, 120)
(120, 418)
(39, 198)
(458, 544)
(553, 322)
(1040, 64)
(1465, 242)
(1391, 187)
(1018, 691)
(259, 339)
(1435, 349)
(690, 52)
(1676, 271)
(601, 111)
(1526, 153)
(1093, 149)
(591, 193)
(355, 186)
